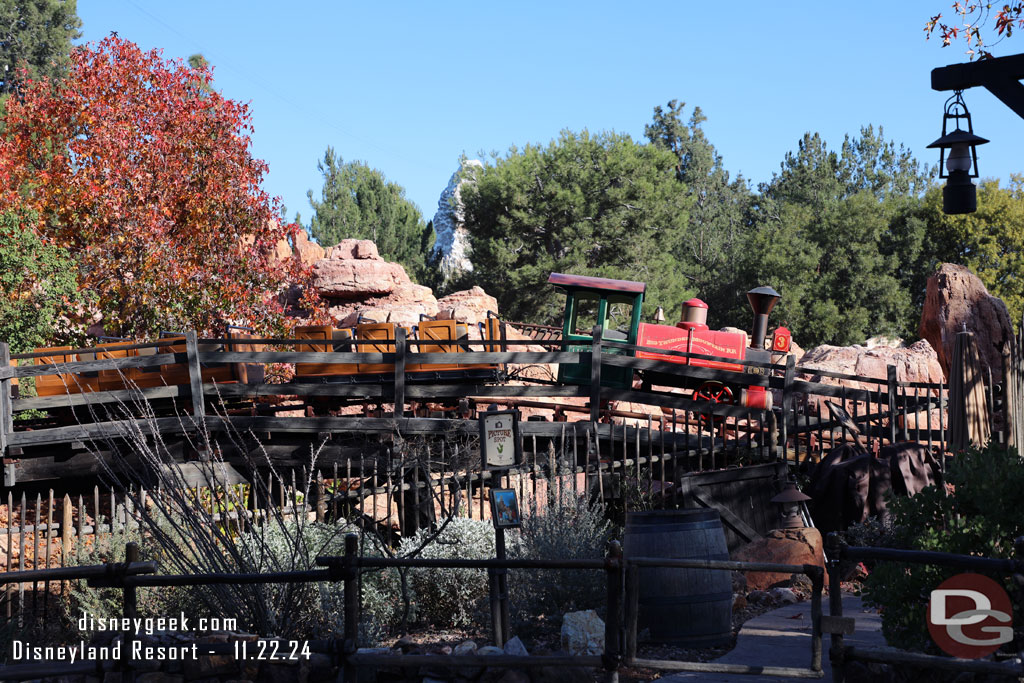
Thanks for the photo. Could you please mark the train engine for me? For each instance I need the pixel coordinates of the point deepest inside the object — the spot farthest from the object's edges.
(616, 306)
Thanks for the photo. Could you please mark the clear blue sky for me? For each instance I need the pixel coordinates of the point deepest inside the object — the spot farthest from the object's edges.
(409, 86)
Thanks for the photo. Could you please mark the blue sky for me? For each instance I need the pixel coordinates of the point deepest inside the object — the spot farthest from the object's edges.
(410, 86)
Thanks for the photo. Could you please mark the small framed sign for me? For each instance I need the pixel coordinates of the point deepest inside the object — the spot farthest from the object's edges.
(499, 439)
(505, 509)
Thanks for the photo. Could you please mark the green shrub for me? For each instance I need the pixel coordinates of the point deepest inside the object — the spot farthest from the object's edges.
(979, 517)
(568, 527)
(450, 597)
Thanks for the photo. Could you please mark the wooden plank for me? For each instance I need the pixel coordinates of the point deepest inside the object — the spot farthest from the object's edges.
(95, 432)
(80, 366)
(400, 356)
(730, 518)
(195, 374)
(101, 397)
(417, 391)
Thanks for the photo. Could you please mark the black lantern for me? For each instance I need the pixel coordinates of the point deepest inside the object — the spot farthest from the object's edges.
(960, 164)
(790, 502)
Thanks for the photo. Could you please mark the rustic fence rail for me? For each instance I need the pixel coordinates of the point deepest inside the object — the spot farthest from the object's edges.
(620, 625)
(884, 413)
(839, 552)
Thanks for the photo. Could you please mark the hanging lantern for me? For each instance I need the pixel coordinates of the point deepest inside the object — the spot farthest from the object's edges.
(958, 158)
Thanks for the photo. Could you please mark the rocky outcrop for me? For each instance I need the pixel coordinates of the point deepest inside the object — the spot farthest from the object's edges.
(359, 285)
(915, 363)
(354, 271)
(781, 546)
(956, 299)
(470, 305)
(451, 245)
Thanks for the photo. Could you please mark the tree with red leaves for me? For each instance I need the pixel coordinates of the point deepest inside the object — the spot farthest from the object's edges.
(973, 17)
(145, 175)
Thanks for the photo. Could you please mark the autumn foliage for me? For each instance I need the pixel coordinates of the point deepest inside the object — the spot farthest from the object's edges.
(146, 176)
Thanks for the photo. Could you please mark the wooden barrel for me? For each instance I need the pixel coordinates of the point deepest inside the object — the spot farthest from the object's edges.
(690, 607)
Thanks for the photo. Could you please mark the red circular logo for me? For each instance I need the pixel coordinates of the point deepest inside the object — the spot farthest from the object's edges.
(970, 616)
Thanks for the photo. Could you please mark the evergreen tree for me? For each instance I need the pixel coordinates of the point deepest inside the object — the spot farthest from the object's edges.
(990, 241)
(834, 234)
(598, 205)
(709, 250)
(36, 35)
(358, 202)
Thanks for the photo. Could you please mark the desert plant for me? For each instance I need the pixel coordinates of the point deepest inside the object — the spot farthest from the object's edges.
(977, 517)
(450, 597)
(567, 527)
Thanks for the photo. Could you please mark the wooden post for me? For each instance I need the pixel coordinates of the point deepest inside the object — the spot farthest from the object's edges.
(351, 605)
(787, 401)
(400, 351)
(66, 526)
(6, 414)
(595, 376)
(130, 600)
(892, 389)
(612, 649)
(196, 381)
(632, 609)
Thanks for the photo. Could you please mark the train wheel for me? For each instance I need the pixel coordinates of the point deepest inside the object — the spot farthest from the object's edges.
(713, 392)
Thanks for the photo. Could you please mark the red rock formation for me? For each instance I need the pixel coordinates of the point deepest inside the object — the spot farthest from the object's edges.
(956, 298)
(915, 363)
(470, 305)
(782, 546)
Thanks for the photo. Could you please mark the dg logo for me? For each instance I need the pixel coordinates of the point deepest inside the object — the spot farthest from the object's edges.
(969, 616)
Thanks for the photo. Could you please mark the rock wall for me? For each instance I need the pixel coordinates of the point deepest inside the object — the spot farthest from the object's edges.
(956, 299)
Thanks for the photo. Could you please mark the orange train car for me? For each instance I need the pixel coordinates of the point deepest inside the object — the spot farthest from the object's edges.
(436, 336)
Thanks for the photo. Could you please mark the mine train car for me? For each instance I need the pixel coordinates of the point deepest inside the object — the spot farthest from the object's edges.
(616, 306)
(434, 336)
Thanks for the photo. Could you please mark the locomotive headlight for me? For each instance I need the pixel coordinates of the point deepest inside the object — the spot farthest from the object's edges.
(958, 149)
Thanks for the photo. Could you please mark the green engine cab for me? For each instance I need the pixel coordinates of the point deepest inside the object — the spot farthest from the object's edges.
(615, 305)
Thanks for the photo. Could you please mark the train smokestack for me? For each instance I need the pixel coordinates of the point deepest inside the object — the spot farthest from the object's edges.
(762, 300)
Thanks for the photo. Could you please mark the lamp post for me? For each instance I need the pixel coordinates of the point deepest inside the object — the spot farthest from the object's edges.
(959, 195)
(790, 503)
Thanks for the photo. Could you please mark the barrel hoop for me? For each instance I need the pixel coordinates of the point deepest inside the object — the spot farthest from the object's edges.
(701, 556)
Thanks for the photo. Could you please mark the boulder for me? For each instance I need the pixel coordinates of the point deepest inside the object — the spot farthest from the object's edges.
(403, 306)
(470, 305)
(915, 363)
(354, 249)
(515, 647)
(783, 546)
(582, 633)
(957, 299)
(340, 278)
